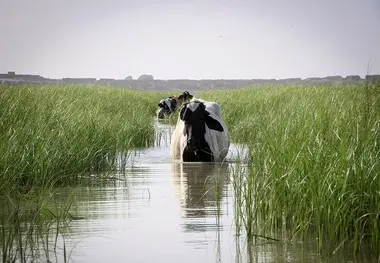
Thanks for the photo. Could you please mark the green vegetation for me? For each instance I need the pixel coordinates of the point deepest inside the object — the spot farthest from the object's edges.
(55, 136)
(314, 157)
(52, 135)
(31, 226)
(314, 161)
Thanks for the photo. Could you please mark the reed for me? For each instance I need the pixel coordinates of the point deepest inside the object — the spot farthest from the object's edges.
(55, 136)
(31, 226)
(51, 135)
(314, 161)
(314, 153)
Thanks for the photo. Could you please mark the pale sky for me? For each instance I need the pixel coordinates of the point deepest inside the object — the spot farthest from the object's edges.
(191, 39)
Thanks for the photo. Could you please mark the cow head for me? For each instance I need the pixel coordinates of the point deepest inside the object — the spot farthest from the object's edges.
(166, 107)
(184, 97)
(196, 117)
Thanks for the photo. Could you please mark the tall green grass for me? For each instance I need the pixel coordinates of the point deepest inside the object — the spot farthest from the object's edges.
(314, 155)
(57, 135)
(51, 135)
(314, 161)
(30, 227)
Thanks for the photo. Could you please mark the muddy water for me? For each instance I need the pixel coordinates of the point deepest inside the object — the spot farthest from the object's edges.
(167, 211)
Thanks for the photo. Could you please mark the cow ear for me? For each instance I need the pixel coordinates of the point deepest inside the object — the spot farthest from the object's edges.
(212, 123)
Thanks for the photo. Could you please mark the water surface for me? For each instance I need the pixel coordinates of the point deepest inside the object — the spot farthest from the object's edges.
(167, 211)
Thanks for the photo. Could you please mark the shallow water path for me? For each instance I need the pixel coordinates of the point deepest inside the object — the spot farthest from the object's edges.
(166, 211)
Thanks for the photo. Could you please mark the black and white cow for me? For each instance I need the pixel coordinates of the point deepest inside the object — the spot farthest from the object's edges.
(200, 134)
(167, 106)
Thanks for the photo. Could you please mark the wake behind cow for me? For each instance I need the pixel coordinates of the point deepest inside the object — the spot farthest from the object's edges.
(200, 134)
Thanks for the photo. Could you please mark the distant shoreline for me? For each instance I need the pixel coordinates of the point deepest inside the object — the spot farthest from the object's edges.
(147, 82)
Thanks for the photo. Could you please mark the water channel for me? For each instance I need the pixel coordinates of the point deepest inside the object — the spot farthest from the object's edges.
(167, 211)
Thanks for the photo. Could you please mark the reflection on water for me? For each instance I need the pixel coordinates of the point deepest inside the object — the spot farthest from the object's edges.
(166, 211)
(200, 189)
(163, 211)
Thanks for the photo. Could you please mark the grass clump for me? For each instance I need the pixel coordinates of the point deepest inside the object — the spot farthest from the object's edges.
(31, 227)
(50, 135)
(53, 136)
(314, 161)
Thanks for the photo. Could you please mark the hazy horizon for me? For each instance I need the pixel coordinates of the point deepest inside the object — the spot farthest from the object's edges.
(190, 39)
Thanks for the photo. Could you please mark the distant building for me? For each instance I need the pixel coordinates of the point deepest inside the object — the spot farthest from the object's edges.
(353, 77)
(372, 77)
(333, 78)
(11, 74)
(146, 77)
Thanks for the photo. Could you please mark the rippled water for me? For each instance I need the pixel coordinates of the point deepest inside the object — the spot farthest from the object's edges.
(166, 211)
